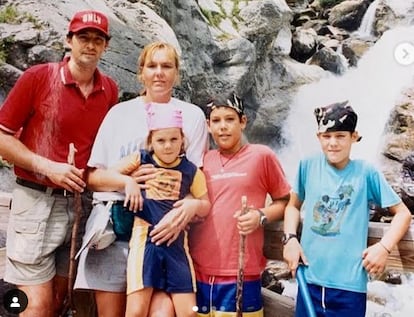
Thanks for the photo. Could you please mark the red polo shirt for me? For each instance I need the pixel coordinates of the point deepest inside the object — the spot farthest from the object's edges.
(49, 106)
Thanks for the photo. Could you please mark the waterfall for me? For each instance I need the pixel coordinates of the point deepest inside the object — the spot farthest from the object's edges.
(365, 29)
(372, 88)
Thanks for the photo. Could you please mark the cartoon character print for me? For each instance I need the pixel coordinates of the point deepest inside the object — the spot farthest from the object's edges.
(330, 210)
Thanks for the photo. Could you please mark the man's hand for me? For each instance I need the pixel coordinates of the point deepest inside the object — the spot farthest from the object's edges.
(66, 176)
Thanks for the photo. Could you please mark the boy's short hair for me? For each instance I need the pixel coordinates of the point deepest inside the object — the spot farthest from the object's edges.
(233, 101)
(336, 117)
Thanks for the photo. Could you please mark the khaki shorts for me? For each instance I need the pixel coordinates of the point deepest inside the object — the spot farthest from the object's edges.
(39, 234)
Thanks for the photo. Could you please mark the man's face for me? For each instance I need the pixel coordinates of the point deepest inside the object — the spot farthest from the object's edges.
(87, 47)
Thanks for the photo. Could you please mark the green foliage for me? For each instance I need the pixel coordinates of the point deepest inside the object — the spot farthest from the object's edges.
(4, 47)
(4, 163)
(213, 18)
(329, 3)
(9, 14)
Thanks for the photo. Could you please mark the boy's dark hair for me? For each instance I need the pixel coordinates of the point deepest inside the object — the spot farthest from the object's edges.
(232, 101)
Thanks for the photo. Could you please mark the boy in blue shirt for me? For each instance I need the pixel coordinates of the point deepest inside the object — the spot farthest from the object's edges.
(333, 192)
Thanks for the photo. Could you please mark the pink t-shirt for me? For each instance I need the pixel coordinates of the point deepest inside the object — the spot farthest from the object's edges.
(253, 172)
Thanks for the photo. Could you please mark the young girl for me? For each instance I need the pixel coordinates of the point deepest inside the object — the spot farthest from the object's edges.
(233, 170)
(152, 265)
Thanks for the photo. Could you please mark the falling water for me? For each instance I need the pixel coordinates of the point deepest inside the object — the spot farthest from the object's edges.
(365, 29)
(372, 89)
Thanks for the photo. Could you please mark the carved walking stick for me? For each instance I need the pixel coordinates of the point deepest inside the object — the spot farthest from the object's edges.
(77, 206)
(240, 273)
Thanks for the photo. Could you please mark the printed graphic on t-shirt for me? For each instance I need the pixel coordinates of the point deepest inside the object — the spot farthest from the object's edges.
(330, 210)
(166, 185)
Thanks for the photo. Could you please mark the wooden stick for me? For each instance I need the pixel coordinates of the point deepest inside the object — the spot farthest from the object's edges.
(77, 206)
(240, 273)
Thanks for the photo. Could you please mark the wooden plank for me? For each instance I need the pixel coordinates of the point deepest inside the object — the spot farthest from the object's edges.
(401, 257)
(276, 305)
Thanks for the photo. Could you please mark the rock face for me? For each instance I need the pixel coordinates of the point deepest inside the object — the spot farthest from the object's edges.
(264, 50)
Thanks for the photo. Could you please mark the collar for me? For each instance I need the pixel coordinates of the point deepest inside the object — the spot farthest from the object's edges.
(161, 164)
(67, 79)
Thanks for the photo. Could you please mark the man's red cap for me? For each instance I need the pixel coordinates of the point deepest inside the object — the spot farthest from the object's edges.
(89, 19)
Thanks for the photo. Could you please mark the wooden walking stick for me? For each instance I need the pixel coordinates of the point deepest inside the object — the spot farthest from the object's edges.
(77, 207)
(240, 273)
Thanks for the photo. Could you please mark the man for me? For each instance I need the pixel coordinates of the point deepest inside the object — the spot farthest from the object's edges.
(53, 105)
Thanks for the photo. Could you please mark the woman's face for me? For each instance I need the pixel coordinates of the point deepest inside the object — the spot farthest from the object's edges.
(159, 74)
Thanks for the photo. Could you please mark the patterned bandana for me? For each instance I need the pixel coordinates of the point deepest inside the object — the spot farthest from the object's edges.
(336, 117)
(233, 102)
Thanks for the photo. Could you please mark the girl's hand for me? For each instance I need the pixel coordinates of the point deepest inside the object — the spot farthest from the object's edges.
(133, 195)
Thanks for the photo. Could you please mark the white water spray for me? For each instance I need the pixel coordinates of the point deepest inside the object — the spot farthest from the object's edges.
(366, 27)
(372, 88)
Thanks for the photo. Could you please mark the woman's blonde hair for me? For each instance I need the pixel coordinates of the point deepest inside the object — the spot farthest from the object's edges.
(149, 50)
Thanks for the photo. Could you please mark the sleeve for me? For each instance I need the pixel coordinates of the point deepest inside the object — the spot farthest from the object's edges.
(278, 185)
(380, 191)
(199, 185)
(101, 147)
(129, 163)
(299, 183)
(19, 103)
(198, 139)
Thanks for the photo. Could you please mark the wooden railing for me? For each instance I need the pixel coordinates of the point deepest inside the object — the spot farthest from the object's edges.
(401, 257)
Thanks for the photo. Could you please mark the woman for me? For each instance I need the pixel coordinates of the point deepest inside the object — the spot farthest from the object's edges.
(122, 132)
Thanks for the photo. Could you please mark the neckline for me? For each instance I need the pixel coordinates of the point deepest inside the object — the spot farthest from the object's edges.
(228, 159)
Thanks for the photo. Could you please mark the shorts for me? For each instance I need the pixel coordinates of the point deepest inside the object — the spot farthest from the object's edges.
(217, 297)
(168, 268)
(39, 235)
(103, 270)
(331, 302)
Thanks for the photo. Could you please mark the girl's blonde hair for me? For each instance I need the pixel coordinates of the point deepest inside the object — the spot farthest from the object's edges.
(148, 52)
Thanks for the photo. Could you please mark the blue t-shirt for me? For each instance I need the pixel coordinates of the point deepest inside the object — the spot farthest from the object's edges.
(336, 218)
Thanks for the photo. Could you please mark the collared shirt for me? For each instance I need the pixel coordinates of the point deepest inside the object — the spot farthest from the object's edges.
(51, 112)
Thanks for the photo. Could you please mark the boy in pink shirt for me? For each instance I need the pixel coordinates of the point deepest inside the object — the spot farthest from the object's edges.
(233, 170)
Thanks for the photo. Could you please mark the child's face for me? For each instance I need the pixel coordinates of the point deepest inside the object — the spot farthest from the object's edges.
(337, 146)
(226, 128)
(167, 144)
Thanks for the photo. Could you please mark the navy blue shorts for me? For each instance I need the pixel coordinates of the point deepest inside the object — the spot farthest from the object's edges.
(331, 302)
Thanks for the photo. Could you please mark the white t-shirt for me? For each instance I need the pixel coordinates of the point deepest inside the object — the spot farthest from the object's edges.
(124, 130)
